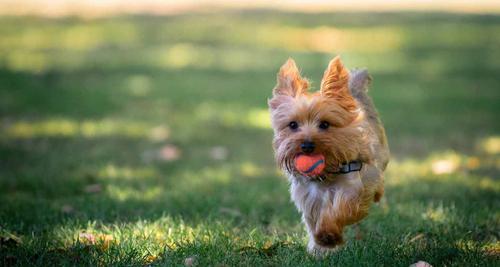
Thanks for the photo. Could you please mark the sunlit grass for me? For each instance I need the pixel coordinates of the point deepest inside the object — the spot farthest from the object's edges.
(229, 43)
(88, 129)
(441, 163)
(490, 145)
(232, 116)
(118, 172)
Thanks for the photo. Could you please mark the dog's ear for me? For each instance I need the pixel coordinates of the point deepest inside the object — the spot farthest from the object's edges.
(289, 81)
(335, 84)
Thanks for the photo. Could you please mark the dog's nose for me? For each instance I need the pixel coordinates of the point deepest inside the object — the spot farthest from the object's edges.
(307, 147)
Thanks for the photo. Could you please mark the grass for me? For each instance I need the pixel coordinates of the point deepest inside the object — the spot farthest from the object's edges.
(145, 140)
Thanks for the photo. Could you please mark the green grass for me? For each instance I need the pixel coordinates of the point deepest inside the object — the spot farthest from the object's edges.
(85, 106)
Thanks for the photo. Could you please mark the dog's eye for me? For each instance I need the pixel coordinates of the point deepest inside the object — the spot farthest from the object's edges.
(293, 125)
(324, 125)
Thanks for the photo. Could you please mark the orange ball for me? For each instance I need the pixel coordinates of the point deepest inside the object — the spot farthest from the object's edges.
(310, 165)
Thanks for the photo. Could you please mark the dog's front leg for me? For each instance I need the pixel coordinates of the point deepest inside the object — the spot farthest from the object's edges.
(340, 205)
(328, 231)
(323, 227)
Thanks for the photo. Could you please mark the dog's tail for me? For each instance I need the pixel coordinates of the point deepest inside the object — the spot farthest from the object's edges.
(359, 81)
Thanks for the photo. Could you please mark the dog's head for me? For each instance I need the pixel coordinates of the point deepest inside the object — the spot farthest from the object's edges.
(324, 122)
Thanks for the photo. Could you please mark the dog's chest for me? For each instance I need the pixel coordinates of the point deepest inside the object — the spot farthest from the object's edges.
(310, 195)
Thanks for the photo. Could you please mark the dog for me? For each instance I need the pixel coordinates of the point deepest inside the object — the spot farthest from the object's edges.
(340, 123)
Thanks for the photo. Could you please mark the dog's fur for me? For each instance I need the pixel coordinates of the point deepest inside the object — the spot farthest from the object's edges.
(355, 133)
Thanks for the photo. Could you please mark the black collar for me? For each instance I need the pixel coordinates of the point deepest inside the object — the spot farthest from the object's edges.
(352, 166)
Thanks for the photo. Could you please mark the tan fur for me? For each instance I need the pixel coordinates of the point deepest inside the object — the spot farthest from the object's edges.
(289, 81)
(356, 133)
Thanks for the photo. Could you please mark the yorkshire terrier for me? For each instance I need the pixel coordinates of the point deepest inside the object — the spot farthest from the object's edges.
(339, 123)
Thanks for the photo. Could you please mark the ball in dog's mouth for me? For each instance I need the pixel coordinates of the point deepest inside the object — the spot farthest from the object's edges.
(310, 164)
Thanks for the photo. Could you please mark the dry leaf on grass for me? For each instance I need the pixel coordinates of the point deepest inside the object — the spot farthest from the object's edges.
(102, 241)
(67, 208)
(421, 264)
(93, 188)
(87, 238)
(169, 153)
(219, 153)
(150, 259)
(190, 261)
(417, 237)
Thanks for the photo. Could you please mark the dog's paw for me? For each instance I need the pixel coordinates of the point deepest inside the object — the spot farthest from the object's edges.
(319, 251)
(328, 239)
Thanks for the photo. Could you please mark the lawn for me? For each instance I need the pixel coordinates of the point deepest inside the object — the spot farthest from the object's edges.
(145, 140)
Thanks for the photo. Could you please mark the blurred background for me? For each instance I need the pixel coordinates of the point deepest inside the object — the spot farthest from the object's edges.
(143, 126)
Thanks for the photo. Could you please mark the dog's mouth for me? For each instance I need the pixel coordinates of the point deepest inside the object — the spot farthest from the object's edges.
(313, 165)
(316, 166)
(310, 164)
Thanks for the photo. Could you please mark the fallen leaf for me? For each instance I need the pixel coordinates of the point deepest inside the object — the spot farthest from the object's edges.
(93, 188)
(105, 241)
(67, 208)
(169, 153)
(270, 249)
(473, 163)
(190, 261)
(421, 264)
(102, 241)
(219, 153)
(87, 238)
(150, 259)
(417, 237)
(492, 250)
